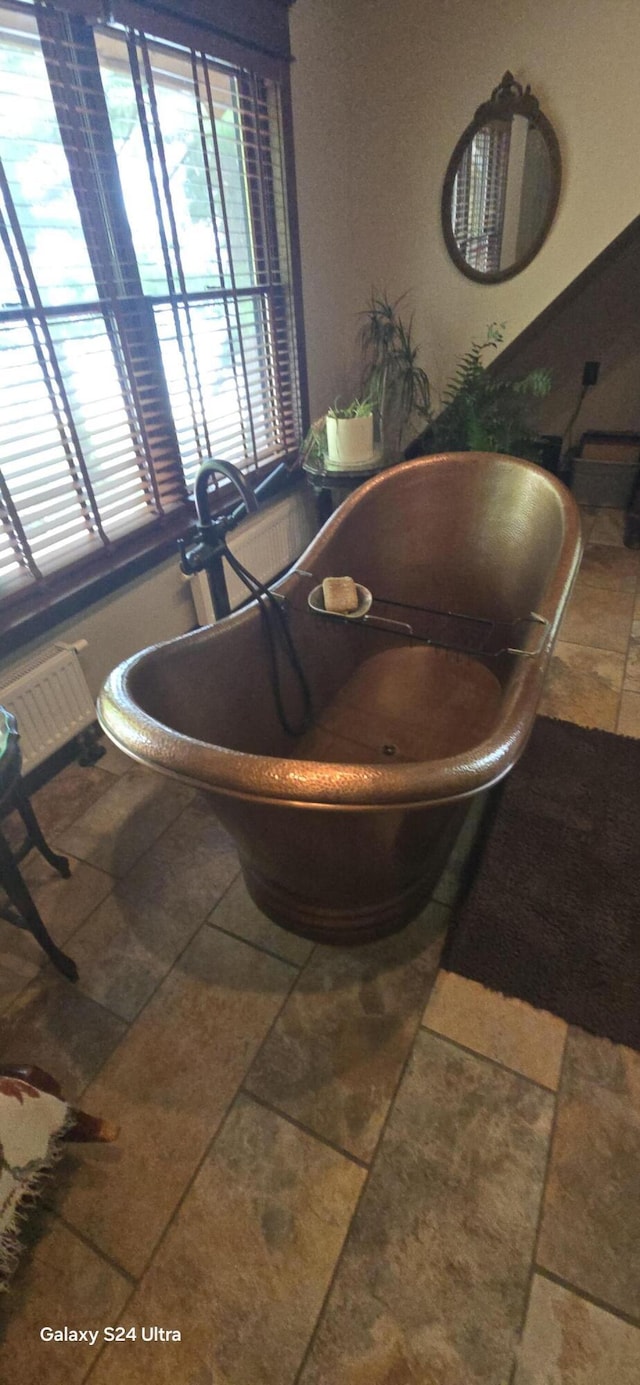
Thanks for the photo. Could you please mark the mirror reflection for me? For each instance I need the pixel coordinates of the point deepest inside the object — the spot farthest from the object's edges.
(502, 186)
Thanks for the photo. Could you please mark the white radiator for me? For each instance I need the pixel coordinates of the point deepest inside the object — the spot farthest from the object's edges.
(50, 700)
(267, 543)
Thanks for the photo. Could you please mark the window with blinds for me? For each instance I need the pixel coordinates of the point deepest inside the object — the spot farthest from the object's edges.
(146, 306)
(479, 194)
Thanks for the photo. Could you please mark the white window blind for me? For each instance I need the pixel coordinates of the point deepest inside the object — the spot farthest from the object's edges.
(146, 303)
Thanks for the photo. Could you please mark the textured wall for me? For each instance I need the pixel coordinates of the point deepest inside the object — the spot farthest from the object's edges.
(382, 92)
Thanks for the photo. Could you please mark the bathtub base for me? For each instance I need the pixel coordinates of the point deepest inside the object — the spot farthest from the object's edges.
(347, 919)
(338, 927)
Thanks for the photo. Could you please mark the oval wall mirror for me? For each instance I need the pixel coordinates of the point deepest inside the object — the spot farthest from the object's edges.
(502, 186)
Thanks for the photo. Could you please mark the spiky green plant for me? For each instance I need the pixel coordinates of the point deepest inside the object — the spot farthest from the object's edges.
(314, 446)
(358, 408)
(391, 375)
(482, 413)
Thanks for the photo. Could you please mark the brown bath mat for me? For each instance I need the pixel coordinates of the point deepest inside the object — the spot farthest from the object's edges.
(553, 914)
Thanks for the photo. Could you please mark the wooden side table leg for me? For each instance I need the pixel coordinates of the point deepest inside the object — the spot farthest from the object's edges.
(19, 896)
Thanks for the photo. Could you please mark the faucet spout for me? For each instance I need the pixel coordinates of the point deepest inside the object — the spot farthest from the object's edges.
(201, 496)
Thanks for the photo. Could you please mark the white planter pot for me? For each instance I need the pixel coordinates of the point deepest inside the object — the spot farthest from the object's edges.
(349, 442)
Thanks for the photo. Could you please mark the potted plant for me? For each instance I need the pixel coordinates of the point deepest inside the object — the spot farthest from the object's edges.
(391, 375)
(394, 396)
(482, 412)
(349, 436)
(343, 439)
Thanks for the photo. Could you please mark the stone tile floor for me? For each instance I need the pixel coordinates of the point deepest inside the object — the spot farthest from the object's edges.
(336, 1167)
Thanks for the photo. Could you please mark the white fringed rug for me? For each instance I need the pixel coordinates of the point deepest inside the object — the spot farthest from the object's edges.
(32, 1124)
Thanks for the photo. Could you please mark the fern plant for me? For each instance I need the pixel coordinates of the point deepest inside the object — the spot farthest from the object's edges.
(481, 413)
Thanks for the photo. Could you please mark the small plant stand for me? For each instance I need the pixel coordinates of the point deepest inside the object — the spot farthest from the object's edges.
(332, 487)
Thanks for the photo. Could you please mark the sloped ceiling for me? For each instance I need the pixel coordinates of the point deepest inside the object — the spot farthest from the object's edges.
(596, 319)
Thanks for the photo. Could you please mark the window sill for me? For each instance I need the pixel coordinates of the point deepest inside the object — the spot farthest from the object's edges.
(36, 612)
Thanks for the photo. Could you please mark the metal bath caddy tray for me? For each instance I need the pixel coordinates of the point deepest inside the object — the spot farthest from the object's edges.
(454, 630)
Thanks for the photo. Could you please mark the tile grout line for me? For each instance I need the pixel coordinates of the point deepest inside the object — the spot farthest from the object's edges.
(564, 716)
(297, 972)
(52, 974)
(94, 1363)
(495, 1062)
(226, 889)
(43, 960)
(584, 1294)
(259, 947)
(216, 1133)
(240, 1091)
(46, 967)
(91, 911)
(97, 1250)
(297, 1380)
(136, 861)
(616, 591)
(543, 1193)
(117, 880)
(161, 980)
(626, 660)
(299, 1125)
(73, 820)
(187, 1188)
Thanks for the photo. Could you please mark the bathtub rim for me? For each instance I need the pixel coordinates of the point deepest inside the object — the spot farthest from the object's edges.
(338, 786)
(371, 787)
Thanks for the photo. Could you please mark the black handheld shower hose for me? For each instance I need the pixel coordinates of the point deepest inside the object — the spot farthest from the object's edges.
(275, 624)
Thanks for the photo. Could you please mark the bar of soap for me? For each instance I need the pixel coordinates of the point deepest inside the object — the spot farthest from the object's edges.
(340, 594)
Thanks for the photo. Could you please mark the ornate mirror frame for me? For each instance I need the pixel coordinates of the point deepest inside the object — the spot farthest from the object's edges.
(507, 99)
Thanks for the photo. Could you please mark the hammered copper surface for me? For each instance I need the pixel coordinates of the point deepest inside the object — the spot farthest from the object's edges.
(337, 837)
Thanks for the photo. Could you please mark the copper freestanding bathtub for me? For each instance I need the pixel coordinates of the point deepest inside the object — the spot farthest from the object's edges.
(343, 830)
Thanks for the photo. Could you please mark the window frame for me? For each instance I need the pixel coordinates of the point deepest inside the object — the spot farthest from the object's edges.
(34, 609)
